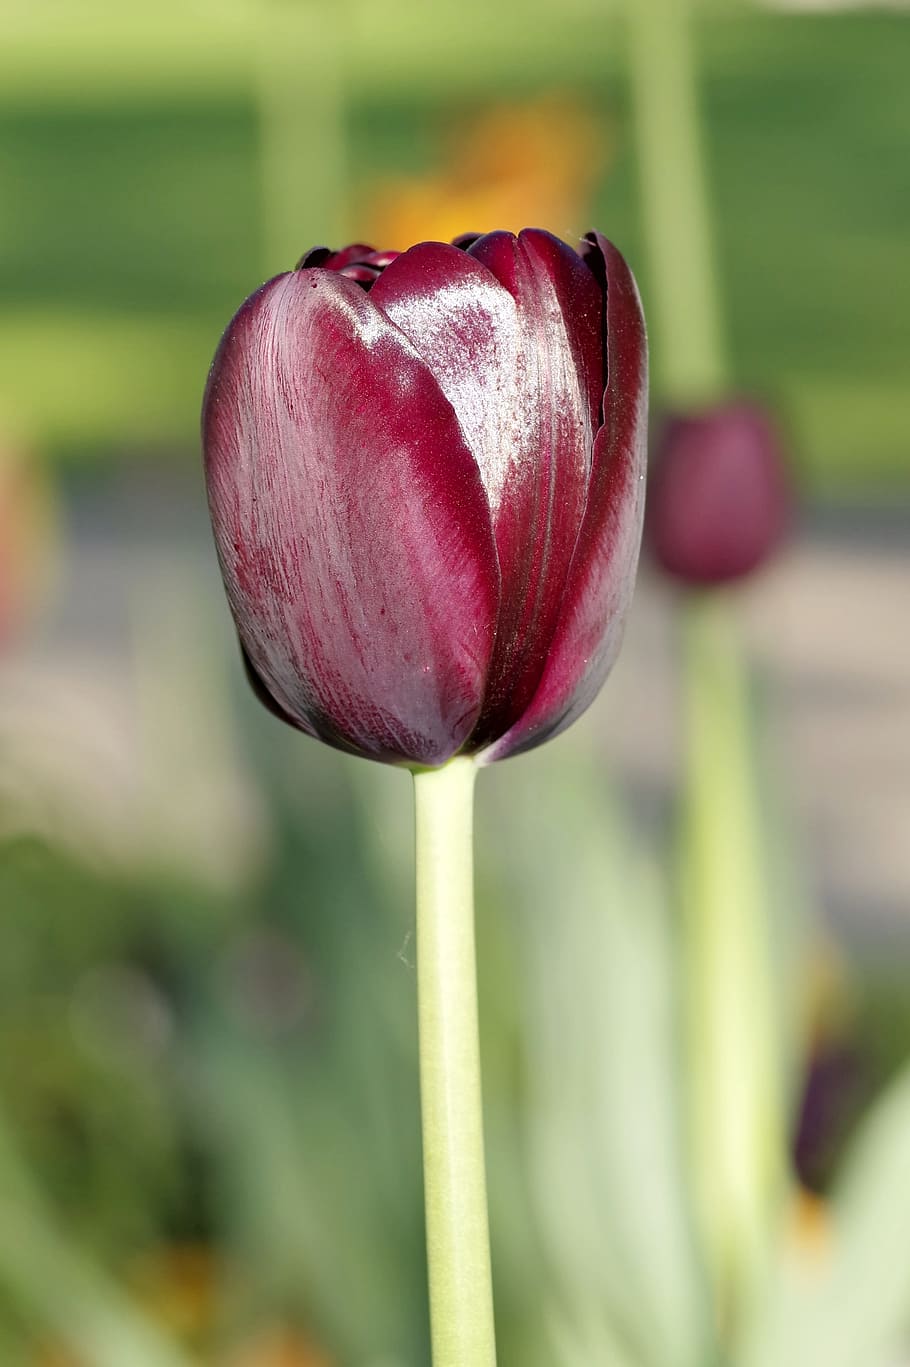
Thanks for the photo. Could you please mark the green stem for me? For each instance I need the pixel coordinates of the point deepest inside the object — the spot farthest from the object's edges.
(737, 1122)
(683, 301)
(458, 1240)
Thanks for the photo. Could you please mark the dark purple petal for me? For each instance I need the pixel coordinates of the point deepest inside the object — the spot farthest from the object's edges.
(364, 275)
(719, 499)
(358, 262)
(465, 240)
(838, 1086)
(602, 573)
(316, 256)
(357, 251)
(512, 331)
(351, 523)
(380, 259)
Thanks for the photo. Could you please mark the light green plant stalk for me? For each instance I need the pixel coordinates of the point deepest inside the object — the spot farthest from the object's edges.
(683, 299)
(735, 1090)
(458, 1241)
(303, 152)
(733, 1027)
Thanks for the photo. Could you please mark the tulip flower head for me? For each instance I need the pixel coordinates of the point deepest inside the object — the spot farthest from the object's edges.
(425, 474)
(719, 499)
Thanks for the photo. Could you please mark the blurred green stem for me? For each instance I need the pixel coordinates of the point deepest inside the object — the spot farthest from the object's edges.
(737, 1117)
(458, 1240)
(683, 303)
(302, 132)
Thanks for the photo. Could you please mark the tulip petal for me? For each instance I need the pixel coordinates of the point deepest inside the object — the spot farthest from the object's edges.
(512, 331)
(351, 522)
(569, 284)
(602, 574)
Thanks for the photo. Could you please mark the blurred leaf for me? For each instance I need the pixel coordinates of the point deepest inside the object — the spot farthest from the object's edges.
(850, 1307)
(57, 1286)
(314, 1131)
(604, 1131)
(85, 1031)
(307, 1213)
(579, 1336)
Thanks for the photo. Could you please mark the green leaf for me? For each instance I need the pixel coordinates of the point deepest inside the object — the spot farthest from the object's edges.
(604, 1127)
(851, 1309)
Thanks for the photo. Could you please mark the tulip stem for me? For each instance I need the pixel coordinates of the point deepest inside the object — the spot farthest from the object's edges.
(458, 1240)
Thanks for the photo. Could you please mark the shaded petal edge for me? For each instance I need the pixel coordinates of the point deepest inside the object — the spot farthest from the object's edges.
(602, 575)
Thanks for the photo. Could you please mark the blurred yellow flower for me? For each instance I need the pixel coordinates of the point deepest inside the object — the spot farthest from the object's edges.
(510, 167)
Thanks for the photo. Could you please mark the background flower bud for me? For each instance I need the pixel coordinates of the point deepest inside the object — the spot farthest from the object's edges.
(425, 473)
(719, 494)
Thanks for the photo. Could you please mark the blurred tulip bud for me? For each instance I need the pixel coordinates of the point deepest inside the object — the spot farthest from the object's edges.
(719, 495)
(425, 473)
(838, 1085)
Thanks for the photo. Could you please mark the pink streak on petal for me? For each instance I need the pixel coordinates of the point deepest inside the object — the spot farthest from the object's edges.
(351, 522)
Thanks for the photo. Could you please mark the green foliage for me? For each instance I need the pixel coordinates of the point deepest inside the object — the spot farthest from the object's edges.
(83, 1033)
(179, 1066)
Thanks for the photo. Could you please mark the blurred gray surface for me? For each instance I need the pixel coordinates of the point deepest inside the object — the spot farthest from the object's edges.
(826, 628)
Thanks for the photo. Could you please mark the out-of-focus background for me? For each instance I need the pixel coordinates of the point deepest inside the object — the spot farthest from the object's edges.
(209, 1135)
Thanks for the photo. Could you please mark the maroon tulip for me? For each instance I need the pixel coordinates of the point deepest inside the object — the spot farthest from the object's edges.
(425, 473)
(719, 496)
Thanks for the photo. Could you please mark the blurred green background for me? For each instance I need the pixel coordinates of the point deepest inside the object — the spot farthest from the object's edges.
(209, 1134)
(154, 163)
